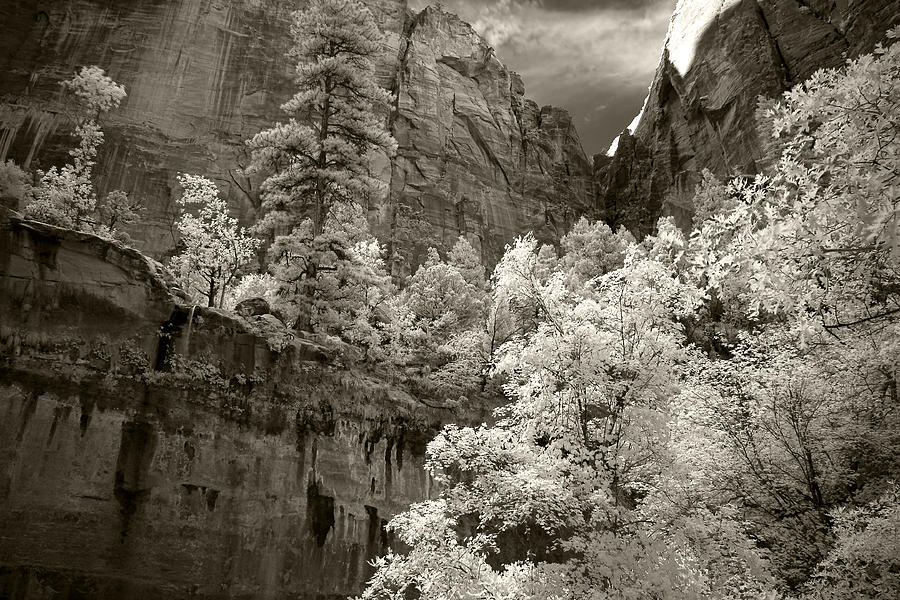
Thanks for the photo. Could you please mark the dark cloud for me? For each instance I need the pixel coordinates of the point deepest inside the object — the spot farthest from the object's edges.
(553, 5)
(592, 57)
(594, 5)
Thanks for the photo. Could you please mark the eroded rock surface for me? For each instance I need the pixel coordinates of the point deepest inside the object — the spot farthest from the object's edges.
(475, 154)
(153, 450)
(475, 157)
(719, 57)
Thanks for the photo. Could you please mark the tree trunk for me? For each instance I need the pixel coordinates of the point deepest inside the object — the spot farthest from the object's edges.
(320, 209)
(211, 296)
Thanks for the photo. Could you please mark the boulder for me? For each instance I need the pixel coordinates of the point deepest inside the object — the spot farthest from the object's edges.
(252, 307)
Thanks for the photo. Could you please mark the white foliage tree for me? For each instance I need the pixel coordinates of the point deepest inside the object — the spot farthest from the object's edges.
(805, 257)
(549, 503)
(465, 259)
(15, 184)
(817, 238)
(592, 249)
(630, 465)
(252, 285)
(334, 283)
(441, 313)
(865, 562)
(441, 299)
(214, 249)
(66, 196)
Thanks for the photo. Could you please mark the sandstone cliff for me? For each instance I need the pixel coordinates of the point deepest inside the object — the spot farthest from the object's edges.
(148, 450)
(475, 156)
(718, 58)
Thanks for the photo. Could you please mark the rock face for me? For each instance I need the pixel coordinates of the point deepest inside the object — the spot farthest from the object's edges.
(202, 77)
(719, 57)
(475, 155)
(151, 450)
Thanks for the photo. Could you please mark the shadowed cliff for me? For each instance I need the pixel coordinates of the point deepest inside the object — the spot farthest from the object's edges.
(153, 450)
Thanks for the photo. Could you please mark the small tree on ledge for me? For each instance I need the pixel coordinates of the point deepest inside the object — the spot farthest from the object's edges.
(66, 196)
(214, 249)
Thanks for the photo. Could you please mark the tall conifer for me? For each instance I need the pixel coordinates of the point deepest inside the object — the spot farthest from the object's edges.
(322, 154)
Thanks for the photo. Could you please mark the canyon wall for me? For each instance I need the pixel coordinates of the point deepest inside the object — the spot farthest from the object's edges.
(475, 155)
(718, 58)
(476, 158)
(150, 450)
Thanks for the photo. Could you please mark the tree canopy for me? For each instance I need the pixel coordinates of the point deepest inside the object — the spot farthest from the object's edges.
(711, 415)
(213, 248)
(323, 154)
(66, 196)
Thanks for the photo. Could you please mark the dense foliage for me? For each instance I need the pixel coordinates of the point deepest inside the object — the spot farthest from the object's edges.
(703, 416)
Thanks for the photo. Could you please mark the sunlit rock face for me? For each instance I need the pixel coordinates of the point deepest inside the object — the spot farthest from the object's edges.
(151, 450)
(718, 59)
(203, 77)
(471, 153)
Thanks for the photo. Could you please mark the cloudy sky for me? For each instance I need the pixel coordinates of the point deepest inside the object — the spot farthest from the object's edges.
(592, 57)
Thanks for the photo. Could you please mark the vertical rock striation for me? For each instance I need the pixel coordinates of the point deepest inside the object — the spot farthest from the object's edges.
(718, 59)
(152, 450)
(202, 77)
(476, 157)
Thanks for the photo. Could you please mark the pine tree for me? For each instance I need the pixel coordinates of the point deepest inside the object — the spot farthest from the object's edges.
(322, 154)
(334, 283)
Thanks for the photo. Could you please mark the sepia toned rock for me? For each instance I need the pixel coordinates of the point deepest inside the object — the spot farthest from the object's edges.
(202, 78)
(150, 449)
(252, 307)
(475, 155)
(718, 59)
